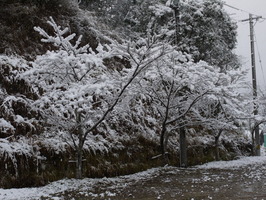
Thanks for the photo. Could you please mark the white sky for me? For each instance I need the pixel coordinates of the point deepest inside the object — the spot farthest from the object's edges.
(256, 7)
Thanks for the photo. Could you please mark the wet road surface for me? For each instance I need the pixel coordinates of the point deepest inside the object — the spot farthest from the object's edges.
(248, 182)
(233, 180)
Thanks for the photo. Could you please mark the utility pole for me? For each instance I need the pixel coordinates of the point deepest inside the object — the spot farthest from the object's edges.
(254, 79)
(182, 132)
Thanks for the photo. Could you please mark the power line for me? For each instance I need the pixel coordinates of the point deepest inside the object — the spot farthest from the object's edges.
(233, 7)
(259, 58)
(241, 10)
(225, 4)
(237, 9)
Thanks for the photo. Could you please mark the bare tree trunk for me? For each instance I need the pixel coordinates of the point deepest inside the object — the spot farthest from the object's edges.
(162, 145)
(163, 139)
(79, 149)
(79, 155)
(253, 143)
(166, 137)
(183, 147)
(217, 153)
(257, 141)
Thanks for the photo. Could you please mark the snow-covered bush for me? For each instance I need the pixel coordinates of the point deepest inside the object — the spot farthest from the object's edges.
(20, 120)
(17, 115)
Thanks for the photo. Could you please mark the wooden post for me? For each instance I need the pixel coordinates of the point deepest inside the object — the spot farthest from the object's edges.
(254, 80)
(183, 147)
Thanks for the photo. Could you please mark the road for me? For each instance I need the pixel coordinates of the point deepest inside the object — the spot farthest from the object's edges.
(233, 180)
(243, 183)
(247, 182)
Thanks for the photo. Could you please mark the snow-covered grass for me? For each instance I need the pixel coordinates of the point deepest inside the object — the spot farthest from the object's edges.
(58, 188)
(234, 164)
(86, 187)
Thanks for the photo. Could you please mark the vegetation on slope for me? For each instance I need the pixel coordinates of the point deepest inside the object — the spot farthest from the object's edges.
(52, 93)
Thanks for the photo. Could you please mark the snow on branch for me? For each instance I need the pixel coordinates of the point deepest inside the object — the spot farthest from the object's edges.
(60, 41)
(70, 63)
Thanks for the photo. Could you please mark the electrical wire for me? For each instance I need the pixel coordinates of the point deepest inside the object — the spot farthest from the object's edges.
(241, 10)
(238, 9)
(225, 4)
(258, 17)
(235, 8)
(257, 46)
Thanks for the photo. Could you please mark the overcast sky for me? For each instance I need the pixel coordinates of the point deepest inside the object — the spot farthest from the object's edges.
(256, 7)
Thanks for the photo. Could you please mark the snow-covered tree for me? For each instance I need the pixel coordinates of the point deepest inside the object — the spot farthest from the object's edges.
(79, 90)
(187, 94)
(209, 29)
(121, 13)
(257, 119)
(226, 110)
(206, 31)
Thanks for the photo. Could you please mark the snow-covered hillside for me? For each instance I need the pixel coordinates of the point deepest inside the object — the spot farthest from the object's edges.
(102, 104)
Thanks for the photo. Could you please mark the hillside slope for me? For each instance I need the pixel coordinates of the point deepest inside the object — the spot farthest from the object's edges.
(33, 152)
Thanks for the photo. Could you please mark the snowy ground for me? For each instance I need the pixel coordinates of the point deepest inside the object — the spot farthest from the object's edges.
(239, 179)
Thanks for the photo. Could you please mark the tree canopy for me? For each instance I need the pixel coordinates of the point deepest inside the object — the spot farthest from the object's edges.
(206, 30)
